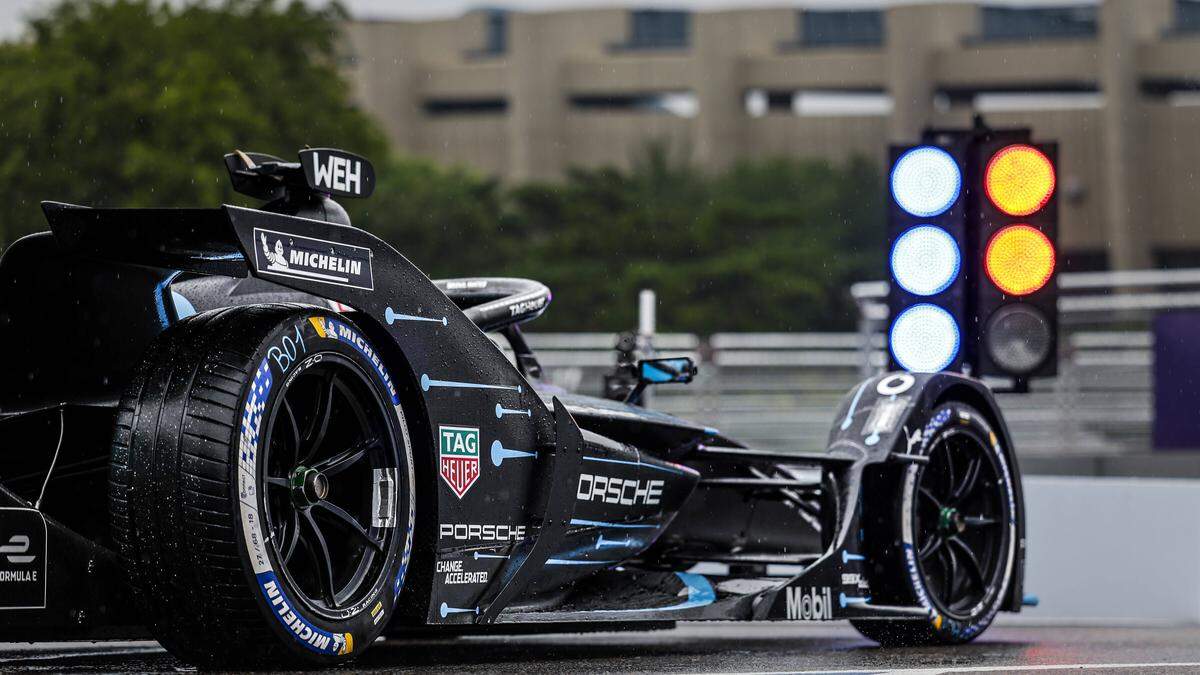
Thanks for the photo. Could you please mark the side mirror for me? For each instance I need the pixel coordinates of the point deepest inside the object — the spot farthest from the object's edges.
(662, 371)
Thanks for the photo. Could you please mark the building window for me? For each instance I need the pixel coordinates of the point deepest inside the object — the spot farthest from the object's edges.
(1187, 16)
(1033, 101)
(659, 29)
(497, 32)
(1065, 96)
(818, 102)
(1183, 98)
(1176, 258)
(841, 28)
(447, 107)
(495, 35)
(1033, 23)
(1085, 260)
(674, 103)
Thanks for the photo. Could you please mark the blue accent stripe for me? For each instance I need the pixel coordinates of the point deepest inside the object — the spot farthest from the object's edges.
(183, 307)
(600, 523)
(560, 561)
(853, 406)
(638, 463)
(427, 384)
(391, 316)
(501, 411)
(700, 593)
(446, 610)
(616, 543)
(501, 453)
(844, 600)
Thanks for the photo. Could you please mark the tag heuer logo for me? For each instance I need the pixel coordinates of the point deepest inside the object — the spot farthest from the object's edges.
(458, 457)
(291, 255)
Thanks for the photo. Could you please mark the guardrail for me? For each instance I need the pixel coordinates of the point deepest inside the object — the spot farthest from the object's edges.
(778, 390)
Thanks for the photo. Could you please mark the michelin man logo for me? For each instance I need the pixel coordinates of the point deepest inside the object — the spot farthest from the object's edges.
(276, 259)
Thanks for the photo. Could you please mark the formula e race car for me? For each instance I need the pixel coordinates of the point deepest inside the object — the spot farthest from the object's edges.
(265, 438)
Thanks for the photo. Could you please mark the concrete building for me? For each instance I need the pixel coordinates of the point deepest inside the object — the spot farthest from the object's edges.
(526, 95)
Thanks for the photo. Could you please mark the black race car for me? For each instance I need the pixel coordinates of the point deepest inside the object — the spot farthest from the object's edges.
(264, 437)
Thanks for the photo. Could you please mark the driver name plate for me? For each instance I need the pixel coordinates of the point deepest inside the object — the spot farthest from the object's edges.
(885, 416)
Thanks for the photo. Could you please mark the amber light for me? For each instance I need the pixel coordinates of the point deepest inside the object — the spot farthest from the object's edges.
(1019, 260)
(1019, 180)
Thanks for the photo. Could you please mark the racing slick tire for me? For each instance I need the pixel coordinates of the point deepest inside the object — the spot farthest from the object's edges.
(944, 534)
(261, 488)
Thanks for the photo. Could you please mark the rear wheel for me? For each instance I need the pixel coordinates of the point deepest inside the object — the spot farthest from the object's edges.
(262, 489)
(952, 530)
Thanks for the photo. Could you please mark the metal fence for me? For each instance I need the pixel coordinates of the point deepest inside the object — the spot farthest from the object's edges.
(778, 390)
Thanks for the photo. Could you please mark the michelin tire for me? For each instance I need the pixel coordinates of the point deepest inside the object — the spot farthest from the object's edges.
(261, 488)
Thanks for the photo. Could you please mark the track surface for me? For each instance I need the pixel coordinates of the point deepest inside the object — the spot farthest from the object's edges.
(706, 648)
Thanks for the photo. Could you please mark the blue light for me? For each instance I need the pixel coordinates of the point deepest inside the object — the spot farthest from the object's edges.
(926, 181)
(925, 260)
(924, 339)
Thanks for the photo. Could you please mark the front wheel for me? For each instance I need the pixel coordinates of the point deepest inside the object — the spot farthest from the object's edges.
(946, 538)
(262, 491)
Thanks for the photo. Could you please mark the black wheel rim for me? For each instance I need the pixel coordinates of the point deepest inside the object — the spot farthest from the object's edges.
(960, 519)
(328, 439)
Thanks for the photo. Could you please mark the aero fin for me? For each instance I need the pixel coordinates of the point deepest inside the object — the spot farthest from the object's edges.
(529, 556)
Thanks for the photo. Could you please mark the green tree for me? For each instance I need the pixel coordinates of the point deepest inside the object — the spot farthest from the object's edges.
(133, 102)
(766, 245)
(446, 221)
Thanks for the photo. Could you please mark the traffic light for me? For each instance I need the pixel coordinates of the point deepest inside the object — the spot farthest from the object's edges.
(1016, 298)
(926, 230)
(972, 235)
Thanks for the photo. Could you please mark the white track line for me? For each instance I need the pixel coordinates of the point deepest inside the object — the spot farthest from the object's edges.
(967, 669)
(7, 659)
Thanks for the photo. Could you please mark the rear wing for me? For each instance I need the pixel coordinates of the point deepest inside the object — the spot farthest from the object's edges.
(204, 241)
(100, 283)
(95, 291)
(188, 240)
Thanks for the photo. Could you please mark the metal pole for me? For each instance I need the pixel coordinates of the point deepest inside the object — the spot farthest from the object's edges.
(871, 314)
(647, 324)
(866, 330)
(647, 321)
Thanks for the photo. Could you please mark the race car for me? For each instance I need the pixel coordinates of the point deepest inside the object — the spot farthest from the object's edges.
(266, 439)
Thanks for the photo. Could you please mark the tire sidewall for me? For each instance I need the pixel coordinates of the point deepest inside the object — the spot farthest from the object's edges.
(291, 346)
(943, 625)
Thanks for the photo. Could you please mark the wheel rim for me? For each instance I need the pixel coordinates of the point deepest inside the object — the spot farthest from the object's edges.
(328, 440)
(960, 520)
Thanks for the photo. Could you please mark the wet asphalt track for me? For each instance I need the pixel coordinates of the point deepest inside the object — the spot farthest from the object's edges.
(707, 648)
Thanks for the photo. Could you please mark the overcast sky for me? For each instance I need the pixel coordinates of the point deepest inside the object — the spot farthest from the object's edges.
(12, 12)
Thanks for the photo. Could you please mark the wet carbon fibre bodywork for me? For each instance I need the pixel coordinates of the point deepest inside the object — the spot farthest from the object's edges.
(532, 506)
